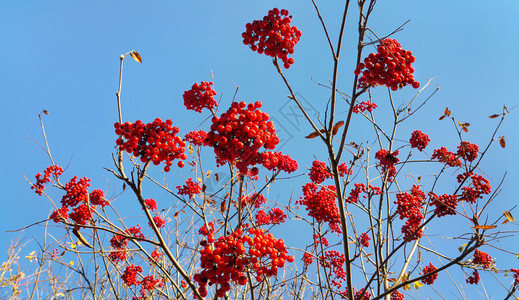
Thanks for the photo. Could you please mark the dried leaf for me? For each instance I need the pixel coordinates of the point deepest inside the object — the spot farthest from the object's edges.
(223, 206)
(419, 178)
(502, 142)
(81, 238)
(336, 127)
(509, 216)
(494, 116)
(465, 129)
(485, 227)
(227, 196)
(124, 186)
(368, 255)
(204, 187)
(136, 56)
(216, 176)
(447, 112)
(208, 173)
(175, 215)
(45, 111)
(315, 134)
(442, 117)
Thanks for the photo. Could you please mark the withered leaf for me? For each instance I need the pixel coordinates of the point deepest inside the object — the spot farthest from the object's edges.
(223, 206)
(485, 227)
(494, 116)
(315, 134)
(509, 216)
(442, 117)
(216, 176)
(136, 56)
(204, 187)
(447, 112)
(124, 186)
(502, 142)
(336, 127)
(175, 215)
(45, 111)
(465, 129)
(368, 255)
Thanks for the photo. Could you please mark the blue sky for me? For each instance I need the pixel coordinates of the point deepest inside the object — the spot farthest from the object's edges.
(62, 56)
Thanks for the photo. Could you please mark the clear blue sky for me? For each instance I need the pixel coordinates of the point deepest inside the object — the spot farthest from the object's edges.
(62, 56)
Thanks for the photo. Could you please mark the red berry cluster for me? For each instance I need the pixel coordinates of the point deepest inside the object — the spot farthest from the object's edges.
(200, 96)
(147, 284)
(40, 182)
(445, 204)
(396, 295)
(321, 205)
(129, 276)
(206, 229)
(238, 135)
(390, 66)
(277, 161)
(97, 197)
(343, 170)
(334, 261)
(419, 140)
(156, 142)
(445, 156)
(362, 295)
(431, 278)
(151, 204)
(409, 206)
(119, 243)
(231, 257)
(364, 239)
(482, 258)
(355, 192)
(196, 137)
(255, 200)
(190, 188)
(480, 186)
(275, 216)
(387, 161)
(319, 172)
(474, 278)
(273, 36)
(468, 151)
(159, 222)
(364, 106)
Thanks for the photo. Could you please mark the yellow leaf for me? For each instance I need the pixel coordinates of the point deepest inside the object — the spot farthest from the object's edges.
(208, 174)
(31, 256)
(509, 216)
(190, 147)
(417, 284)
(136, 56)
(71, 262)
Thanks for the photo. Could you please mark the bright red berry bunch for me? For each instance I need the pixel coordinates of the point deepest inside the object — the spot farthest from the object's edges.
(445, 156)
(119, 243)
(129, 276)
(156, 142)
(445, 204)
(364, 239)
(431, 278)
(419, 140)
(474, 278)
(231, 257)
(355, 192)
(390, 66)
(255, 200)
(396, 295)
(319, 172)
(277, 161)
(275, 216)
(334, 261)
(40, 182)
(190, 188)
(516, 276)
(200, 96)
(321, 204)
(387, 161)
(364, 106)
(273, 36)
(196, 137)
(468, 151)
(482, 258)
(239, 134)
(409, 206)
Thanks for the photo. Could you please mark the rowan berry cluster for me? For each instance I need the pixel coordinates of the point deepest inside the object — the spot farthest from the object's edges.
(200, 96)
(474, 278)
(159, 222)
(364, 106)
(206, 229)
(516, 276)
(390, 67)
(343, 170)
(388, 161)
(97, 197)
(151, 204)
(431, 278)
(396, 295)
(445, 204)
(364, 239)
(445, 156)
(273, 36)
(78, 198)
(39, 186)
(119, 243)
(255, 200)
(239, 134)
(275, 216)
(419, 140)
(190, 188)
(468, 151)
(196, 137)
(321, 205)
(319, 172)
(482, 258)
(129, 276)
(334, 261)
(362, 295)
(147, 284)
(231, 257)
(156, 142)
(355, 192)
(409, 206)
